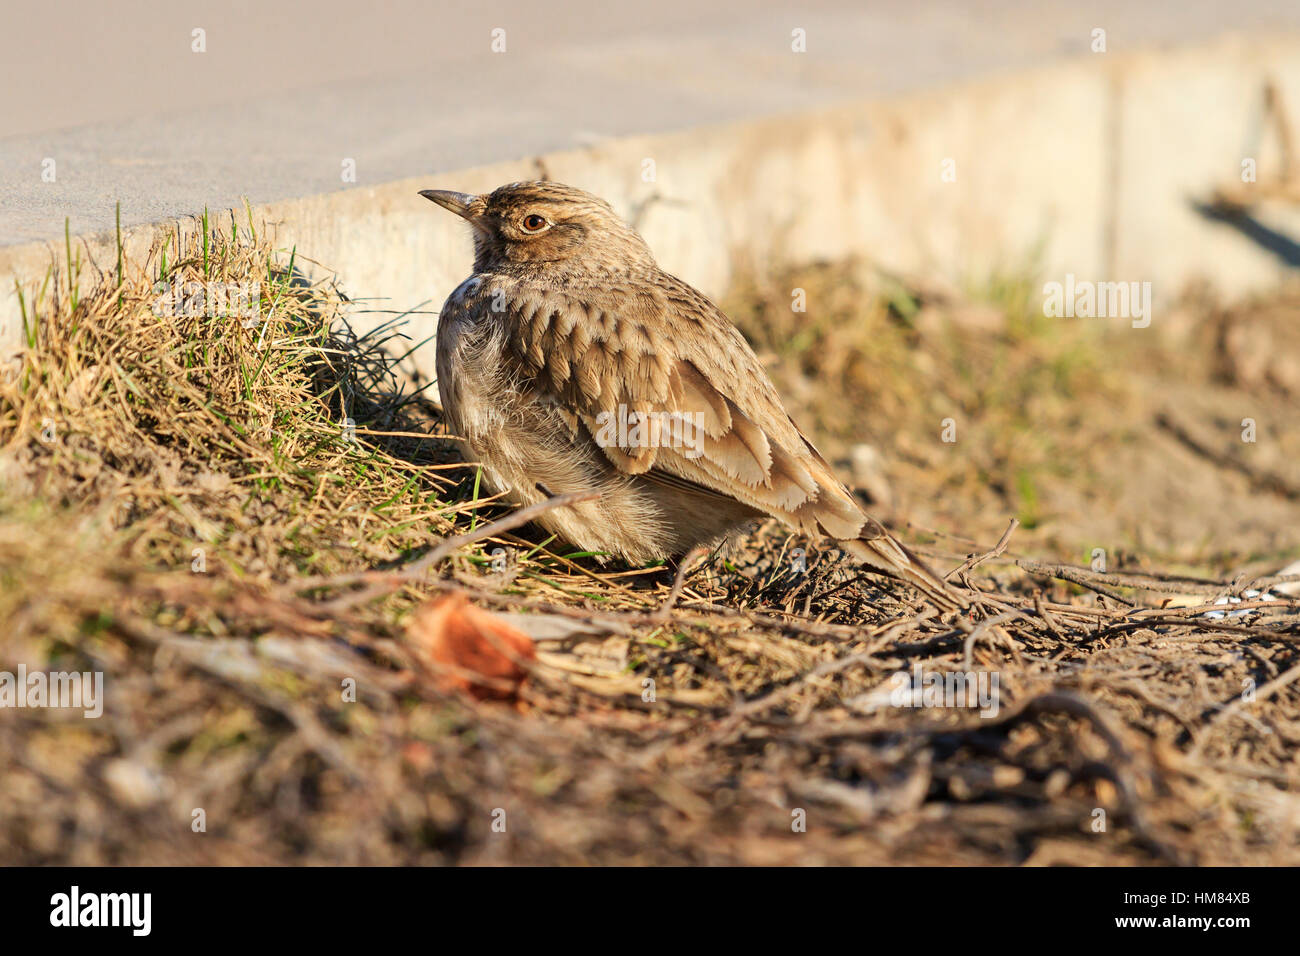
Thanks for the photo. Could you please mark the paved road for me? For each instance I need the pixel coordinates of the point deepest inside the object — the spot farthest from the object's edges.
(285, 93)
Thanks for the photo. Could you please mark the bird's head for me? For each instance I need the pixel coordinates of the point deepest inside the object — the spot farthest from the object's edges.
(545, 223)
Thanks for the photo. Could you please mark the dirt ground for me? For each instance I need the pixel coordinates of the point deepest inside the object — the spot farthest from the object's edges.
(238, 523)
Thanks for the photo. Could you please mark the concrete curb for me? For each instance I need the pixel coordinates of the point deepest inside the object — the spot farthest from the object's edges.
(1089, 168)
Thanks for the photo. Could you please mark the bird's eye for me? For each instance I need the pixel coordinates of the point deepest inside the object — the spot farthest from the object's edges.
(534, 223)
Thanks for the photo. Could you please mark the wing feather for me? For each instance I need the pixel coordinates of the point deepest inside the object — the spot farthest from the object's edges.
(667, 355)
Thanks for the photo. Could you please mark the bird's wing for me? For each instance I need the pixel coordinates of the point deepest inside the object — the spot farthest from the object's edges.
(661, 356)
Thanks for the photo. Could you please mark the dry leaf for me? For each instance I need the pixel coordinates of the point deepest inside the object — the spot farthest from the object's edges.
(470, 649)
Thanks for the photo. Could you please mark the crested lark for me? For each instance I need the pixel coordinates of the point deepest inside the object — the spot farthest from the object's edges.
(569, 361)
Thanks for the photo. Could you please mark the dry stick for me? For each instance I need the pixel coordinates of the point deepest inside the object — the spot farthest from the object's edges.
(827, 593)
(367, 431)
(1079, 576)
(1160, 583)
(1200, 623)
(387, 581)
(508, 523)
(1265, 583)
(975, 560)
(1081, 615)
(1041, 610)
(887, 634)
(679, 582)
(573, 566)
(984, 625)
(1226, 608)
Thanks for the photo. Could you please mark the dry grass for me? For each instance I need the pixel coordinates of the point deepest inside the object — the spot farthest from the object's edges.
(130, 440)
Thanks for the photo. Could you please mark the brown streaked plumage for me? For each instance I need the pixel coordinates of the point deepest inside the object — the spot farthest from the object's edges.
(567, 327)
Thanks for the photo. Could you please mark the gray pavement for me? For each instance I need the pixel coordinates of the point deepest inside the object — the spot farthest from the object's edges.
(288, 91)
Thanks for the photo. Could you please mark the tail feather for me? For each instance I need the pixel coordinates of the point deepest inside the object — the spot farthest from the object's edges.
(886, 554)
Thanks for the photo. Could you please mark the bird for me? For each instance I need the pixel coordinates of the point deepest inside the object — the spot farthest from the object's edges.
(568, 361)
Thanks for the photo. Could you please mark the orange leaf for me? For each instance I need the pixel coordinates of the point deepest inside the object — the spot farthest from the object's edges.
(470, 649)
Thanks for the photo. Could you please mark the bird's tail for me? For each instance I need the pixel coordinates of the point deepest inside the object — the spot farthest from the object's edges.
(882, 552)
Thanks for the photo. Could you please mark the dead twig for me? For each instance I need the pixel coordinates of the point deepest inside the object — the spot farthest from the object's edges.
(1080, 576)
(977, 559)
(385, 582)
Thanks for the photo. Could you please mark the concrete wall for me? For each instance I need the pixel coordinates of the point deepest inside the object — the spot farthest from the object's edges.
(1094, 163)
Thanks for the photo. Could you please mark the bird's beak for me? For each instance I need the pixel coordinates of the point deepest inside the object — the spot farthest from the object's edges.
(462, 204)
